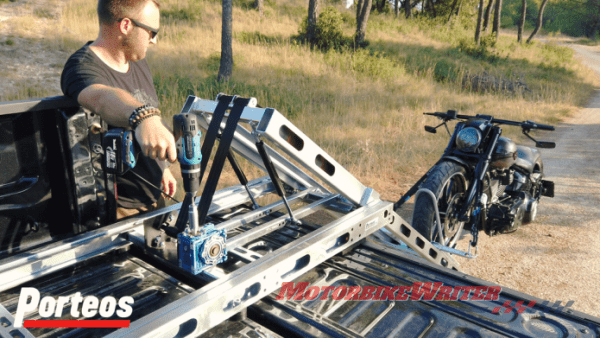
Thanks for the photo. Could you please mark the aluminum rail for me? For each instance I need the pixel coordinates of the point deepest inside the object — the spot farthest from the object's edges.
(264, 229)
(261, 212)
(219, 300)
(7, 328)
(243, 143)
(272, 125)
(42, 261)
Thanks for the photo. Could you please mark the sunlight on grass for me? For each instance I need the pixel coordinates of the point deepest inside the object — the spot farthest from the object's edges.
(364, 107)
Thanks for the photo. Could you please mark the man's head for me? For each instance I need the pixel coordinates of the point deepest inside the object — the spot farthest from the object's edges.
(134, 23)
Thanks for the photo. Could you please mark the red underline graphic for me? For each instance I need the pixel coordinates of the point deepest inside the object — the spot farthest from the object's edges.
(77, 323)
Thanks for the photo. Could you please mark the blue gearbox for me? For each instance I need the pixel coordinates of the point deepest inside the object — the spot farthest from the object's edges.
(202, 250)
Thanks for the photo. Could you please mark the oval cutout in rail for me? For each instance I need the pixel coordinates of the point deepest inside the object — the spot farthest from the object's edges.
(325, 165)
(290, 137)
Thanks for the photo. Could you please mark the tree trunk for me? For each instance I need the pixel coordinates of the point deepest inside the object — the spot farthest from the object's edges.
(538, 24)
(488, 15)
(396, 9)
(407, 9)
(452, 11)
(429, 7)
(226, 65)
(362, 16)
(522, 21)
(460, 3)
(479, 22)
(313, 14)
(497, 17)
(259, 5)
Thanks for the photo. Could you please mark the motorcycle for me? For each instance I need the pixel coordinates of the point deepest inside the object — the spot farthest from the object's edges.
(483, 181)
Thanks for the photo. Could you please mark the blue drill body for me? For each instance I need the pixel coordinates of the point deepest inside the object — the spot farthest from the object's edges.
(187, 136)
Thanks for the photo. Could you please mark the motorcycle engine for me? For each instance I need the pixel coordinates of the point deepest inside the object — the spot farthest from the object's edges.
(504, 218)
(509, 202)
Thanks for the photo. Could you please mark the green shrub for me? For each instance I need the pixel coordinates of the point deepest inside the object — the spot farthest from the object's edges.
(482, 52)
(445, 71)
(556, 55)
(328, 30)
(375, 65)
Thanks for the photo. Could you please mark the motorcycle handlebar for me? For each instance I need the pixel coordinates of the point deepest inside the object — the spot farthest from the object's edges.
(539, 126)
(452, 115)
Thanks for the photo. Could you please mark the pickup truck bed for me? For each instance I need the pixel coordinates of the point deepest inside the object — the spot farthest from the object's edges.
(55, 238)
(123, 271)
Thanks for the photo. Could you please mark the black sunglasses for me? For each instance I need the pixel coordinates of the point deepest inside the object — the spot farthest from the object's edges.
(153, 32)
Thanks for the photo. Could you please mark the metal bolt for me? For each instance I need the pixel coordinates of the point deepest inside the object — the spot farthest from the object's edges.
(585, 331)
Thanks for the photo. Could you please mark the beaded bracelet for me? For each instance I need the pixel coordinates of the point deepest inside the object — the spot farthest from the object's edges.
(142, 113)
(149, 115)
(136, 113)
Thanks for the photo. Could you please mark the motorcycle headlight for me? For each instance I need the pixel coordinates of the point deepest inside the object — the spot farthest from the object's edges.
(468, 139)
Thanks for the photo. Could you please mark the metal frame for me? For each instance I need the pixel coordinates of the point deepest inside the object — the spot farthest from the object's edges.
(7, 328)
(262, 274)
(223, 298)
(272, 125)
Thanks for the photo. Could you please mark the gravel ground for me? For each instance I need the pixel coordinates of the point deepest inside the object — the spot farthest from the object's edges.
(558, 256)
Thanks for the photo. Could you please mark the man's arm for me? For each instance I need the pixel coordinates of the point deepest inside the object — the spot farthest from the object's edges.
(116, 105)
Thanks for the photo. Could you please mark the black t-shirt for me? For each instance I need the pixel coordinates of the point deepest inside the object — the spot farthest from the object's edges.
(85, 68)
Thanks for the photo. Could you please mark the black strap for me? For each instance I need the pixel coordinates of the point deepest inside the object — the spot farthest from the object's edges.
(213, 130)
(217, 166)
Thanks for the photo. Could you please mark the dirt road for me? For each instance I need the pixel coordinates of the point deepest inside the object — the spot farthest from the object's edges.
(558, 256)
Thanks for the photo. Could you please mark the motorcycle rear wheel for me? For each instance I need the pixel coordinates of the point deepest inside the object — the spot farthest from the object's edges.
(449, 184)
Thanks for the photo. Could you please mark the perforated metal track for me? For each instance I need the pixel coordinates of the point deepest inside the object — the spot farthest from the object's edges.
(118, 274)
(374, 264)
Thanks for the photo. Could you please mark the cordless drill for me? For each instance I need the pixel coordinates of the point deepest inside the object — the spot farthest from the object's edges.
(187, 137)
(197, 248)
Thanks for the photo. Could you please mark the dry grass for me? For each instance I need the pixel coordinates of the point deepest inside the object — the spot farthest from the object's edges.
(364, 109)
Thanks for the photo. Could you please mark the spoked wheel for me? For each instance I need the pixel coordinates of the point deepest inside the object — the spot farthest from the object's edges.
(449, 184)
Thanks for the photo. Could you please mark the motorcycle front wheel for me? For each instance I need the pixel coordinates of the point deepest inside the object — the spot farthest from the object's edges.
(449, 184)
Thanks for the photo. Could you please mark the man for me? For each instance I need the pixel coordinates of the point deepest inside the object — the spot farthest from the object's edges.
(109, 76)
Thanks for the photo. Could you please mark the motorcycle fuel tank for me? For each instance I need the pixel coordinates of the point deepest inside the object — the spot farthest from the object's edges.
(505, 153)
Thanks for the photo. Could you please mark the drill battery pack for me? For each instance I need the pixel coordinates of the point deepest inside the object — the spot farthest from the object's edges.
(120, 151)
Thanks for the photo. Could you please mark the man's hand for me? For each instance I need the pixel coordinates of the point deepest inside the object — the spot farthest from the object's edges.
(156, 140)
(169, 184)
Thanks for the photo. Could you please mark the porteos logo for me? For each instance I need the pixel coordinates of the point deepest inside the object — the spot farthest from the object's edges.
(29, 301)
